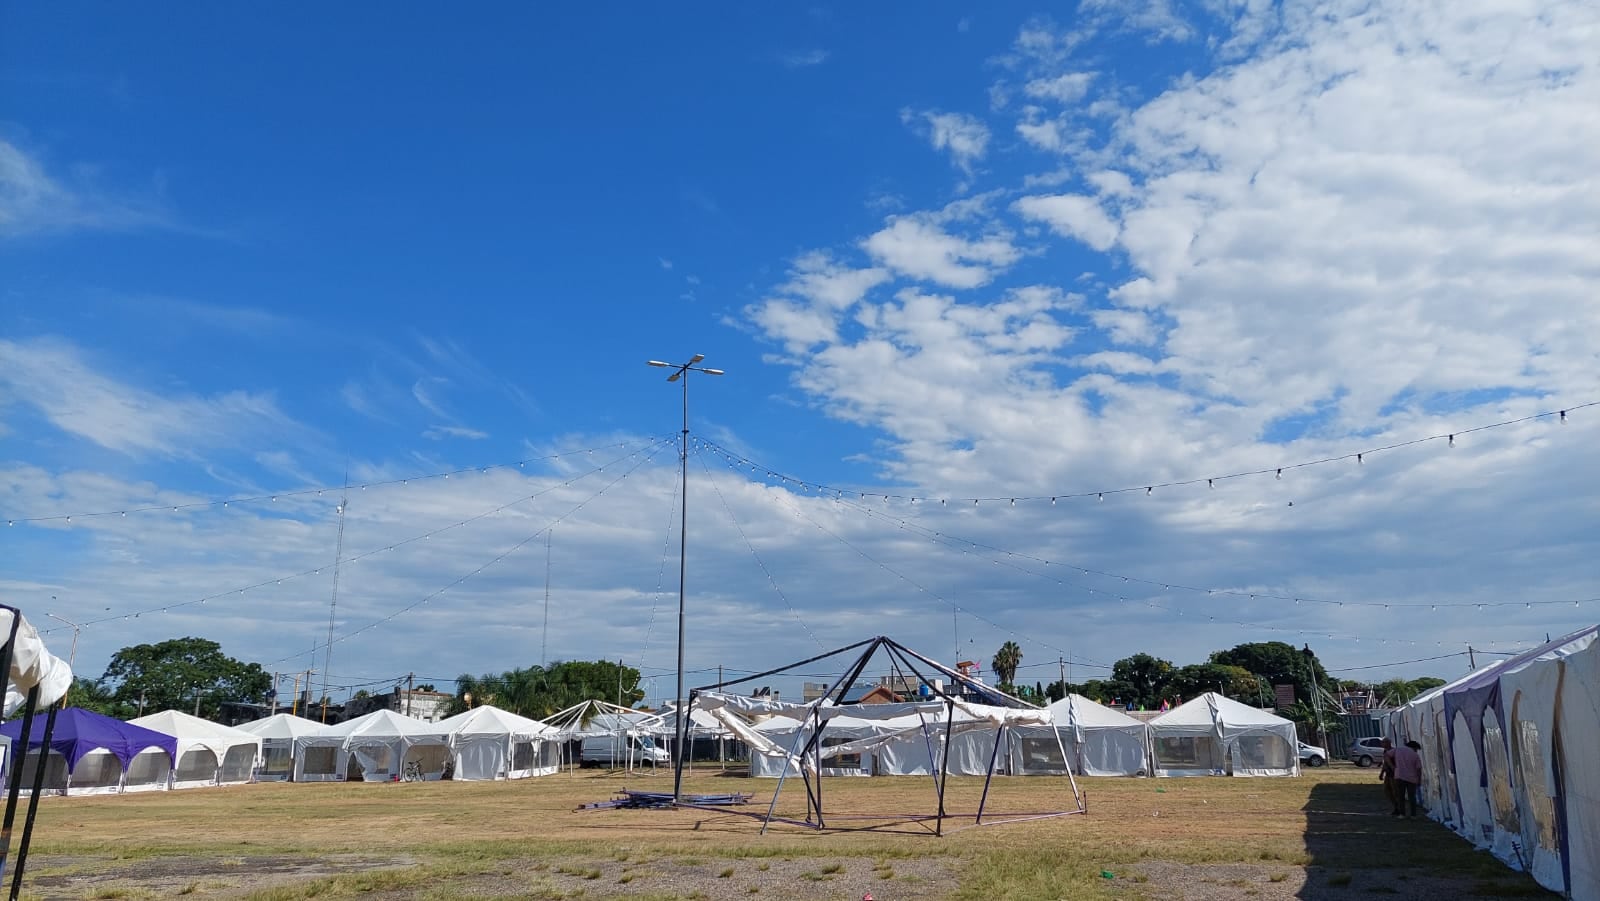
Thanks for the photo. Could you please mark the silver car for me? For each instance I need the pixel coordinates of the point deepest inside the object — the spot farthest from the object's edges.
(1366, 751)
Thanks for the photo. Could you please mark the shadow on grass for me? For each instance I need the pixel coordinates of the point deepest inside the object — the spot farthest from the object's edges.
(1356, 848)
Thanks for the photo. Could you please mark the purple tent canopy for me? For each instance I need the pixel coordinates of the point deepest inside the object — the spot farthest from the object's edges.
(79, 731)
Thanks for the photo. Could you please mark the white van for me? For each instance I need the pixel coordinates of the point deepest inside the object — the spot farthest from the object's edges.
(619, 749)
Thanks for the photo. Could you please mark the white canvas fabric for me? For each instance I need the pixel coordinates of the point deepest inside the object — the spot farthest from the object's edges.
(277, 734)
(32, 664)
(378, 744)
(902, 739)
(489, 743)
(1212, 735)
(1525, 783)
(208, 753)
(1098, 741)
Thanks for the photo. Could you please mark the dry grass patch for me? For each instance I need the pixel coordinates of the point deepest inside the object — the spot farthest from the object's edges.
(448, 839)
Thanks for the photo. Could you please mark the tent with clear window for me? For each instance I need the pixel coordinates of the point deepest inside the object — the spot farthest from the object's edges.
(489, 743)
(1509, 761)
(1098, 741)
(380, 747)
(208, 753)
(92, 754)
(1216, 736)
(277, 734)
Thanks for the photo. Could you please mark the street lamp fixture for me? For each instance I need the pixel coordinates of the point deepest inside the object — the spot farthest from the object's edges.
(681, 731)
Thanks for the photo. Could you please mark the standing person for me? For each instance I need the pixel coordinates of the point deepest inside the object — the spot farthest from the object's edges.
(1386, 776)
(1407, 776)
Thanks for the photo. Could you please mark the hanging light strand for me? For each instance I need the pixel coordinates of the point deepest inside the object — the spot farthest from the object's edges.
(1361, 456)
(1166, 585)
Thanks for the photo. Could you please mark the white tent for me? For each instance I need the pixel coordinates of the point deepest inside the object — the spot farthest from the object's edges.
(277, 734)
(897, 739)
(489, 743)
(208, 753)
(1214, 736)
(377, 746)
(1509, 761)
(1099, 741)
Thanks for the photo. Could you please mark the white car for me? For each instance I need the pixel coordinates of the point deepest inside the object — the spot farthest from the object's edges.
(1311, 755)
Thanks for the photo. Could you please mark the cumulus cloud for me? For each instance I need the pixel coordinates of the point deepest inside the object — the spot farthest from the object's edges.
(1072, 216)
(965, 137)
(918, 246)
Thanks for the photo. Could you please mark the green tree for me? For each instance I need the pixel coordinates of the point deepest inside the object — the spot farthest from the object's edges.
(538, 692)
(168, 675)
(1140, 680)
(1235, 682)
(1279, 664)
(1005, 663)
(89, 695)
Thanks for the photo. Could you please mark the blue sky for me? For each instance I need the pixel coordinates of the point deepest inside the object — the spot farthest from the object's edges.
(961, 254)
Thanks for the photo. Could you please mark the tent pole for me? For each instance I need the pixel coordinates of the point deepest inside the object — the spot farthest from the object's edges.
(14, 790)
(944, 765)
(999, 733)
(799, 733)
(38, 786)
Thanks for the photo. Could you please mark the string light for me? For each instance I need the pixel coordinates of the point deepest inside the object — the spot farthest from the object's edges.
(967, 545)
(1277, 471)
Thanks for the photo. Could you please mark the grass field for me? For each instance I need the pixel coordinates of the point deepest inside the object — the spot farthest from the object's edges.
(1325, 835)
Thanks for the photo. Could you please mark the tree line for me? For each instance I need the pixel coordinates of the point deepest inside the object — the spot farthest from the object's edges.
(194, 675)
(1247, 673)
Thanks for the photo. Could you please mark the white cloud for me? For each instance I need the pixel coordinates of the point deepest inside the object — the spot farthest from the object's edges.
(919, 247)
(964, 136)
(1126, 326)
(1066, 88)
(439, 432)
(1073, 216)
(665, 263)
(818, 278)
(53, 377)
(32, 201)
(804, 59)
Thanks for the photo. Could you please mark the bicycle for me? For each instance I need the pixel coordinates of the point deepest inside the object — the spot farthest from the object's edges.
(412, 772)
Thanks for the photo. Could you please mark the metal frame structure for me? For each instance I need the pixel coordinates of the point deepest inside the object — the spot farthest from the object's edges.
(16, 755)
(807, 746)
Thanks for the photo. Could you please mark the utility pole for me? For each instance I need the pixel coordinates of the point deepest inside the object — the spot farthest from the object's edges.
(1316, 695)
(1061, 669)
(333, 599)
(197, 700)
(411, 682)
(1472, 660)
(682, 372)
(274, 710)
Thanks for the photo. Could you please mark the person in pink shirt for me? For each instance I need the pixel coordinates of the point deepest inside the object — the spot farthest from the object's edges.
(1407, 776)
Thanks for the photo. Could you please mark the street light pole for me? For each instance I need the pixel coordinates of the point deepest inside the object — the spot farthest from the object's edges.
(681, 371)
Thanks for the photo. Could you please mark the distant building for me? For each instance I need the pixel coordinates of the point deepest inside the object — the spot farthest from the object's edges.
(431, 706)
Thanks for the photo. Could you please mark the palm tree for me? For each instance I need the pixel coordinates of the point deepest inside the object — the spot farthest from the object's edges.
(1006, 661)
